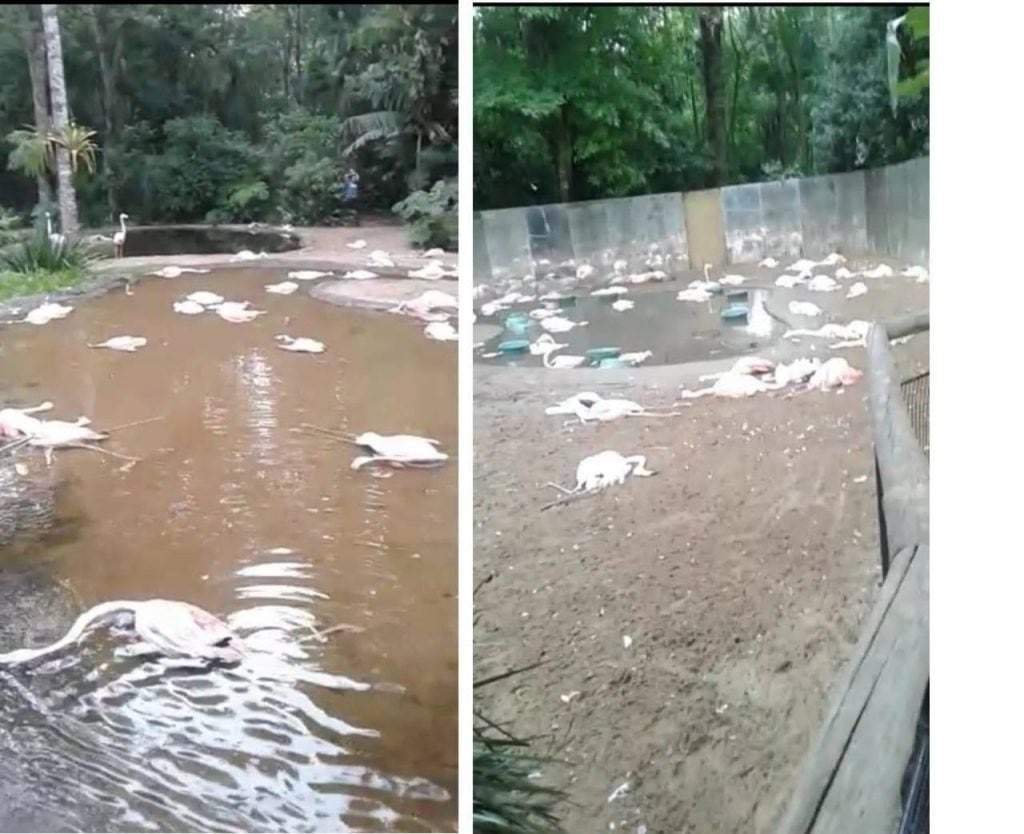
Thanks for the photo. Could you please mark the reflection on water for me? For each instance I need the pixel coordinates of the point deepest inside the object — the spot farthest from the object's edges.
(674, 331)
(350, 729)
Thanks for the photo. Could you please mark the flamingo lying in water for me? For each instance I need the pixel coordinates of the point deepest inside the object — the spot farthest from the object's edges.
(167, 627)
(398, 450)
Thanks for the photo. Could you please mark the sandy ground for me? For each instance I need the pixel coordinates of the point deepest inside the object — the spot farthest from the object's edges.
(741, 574)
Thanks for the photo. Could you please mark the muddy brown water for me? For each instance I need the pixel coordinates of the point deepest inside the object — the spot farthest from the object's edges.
(269, 528)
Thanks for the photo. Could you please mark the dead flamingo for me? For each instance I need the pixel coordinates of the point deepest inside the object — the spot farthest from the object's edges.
(398, 450)
(166, 627)
(129, 344)
(597, 472)
(300, 345)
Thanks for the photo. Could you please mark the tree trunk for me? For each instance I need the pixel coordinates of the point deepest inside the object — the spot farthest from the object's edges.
(59, 100)
(714, 100)
(564, 155)
(108, 99)
(35, 52)
(299, 87)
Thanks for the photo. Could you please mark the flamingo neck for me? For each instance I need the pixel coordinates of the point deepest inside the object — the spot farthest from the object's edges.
(707, 272)
(79, 627)
(124, 229)
(49, 225)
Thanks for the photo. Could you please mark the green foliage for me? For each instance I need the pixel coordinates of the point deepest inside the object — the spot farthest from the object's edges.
(505, 799)
(302, 160)
(38, 266)
(916, 24)
(205, 101)
(582, 102)
(201, 165)
(9, 222)
(433, 216)
(32, 154)
(39, 254)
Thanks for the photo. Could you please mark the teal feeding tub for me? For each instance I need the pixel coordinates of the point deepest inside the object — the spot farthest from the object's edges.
(514, 346)
(518, 323)
(735, 312)
(598, 354)
(611, 362)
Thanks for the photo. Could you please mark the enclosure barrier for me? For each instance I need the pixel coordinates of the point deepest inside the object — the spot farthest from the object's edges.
(883, 211)
(867, 770)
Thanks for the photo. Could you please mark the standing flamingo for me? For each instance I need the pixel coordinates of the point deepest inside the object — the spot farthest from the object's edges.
(120, 236)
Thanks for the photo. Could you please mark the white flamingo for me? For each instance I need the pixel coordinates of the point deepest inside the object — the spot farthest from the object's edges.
(609, 291)
(858, 289)
(237, 312)
(604, 469)
(119, 237)
(167, 627)
(175, 271)
(732, 386)
(17, 422)
(398, 450)
(46, 312)
(856, 330)
(56, 239)
(129, 344)
(284, 288)
(441, 331)
(205, 297)
(189, 308)
(748, 365)
(623, 304)
(834, 373)
(359, 275)
(822, 283)
(308, 274)
(636, 357)
(300, 345)
(804, 308)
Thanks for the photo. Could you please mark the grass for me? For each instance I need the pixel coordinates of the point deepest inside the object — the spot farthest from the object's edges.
(18, 284)
(506, 799)
(36, 266)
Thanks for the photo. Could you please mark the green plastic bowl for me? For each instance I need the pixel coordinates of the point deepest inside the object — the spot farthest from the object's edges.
(514, 346)
(563, 303)
(597, 354)
(611, 362)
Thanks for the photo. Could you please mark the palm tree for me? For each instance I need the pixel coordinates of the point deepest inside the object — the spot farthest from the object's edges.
(59, 101)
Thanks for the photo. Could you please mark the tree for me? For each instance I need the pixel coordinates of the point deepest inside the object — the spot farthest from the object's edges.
(583, 102)
(35, 53)
(714, 98)
(59, 100)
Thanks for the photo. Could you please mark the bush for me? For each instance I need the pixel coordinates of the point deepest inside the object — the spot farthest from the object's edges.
(303, 166)
(9, 222)
(37, 266)
(202, 165)
(433, 216)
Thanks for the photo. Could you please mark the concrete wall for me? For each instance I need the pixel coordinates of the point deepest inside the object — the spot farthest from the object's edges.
(882, 211)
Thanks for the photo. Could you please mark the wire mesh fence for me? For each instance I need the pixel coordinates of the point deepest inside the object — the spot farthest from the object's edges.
(915, 395)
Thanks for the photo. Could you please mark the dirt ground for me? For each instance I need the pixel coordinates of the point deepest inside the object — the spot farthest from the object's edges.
(740, 574)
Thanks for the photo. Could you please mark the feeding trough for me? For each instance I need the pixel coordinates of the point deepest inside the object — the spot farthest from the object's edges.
(513, 347)
(735, 313)
(601, 353)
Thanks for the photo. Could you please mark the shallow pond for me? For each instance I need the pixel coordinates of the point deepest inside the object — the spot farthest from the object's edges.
(203, 240)
(230, 509)
(674, 331)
